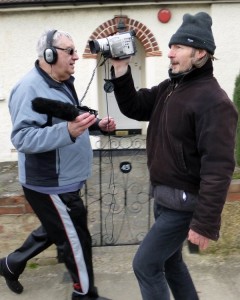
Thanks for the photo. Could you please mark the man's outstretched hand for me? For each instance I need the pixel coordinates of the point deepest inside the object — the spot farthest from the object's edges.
(107, 124)
(198, 239)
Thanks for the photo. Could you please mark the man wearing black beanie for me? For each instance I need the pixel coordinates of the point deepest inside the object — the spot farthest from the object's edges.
(195, 32)
(190, 149)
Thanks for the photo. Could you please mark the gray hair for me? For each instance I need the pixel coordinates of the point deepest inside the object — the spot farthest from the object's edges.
(199, 63)
(42, 42)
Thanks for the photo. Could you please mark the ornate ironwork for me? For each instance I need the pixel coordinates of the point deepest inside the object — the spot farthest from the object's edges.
(117, 195)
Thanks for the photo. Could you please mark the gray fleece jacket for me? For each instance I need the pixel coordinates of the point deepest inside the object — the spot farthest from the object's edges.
(47, 156)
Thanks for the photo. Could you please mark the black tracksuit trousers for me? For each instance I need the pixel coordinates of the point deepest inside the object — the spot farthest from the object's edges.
(64, 223)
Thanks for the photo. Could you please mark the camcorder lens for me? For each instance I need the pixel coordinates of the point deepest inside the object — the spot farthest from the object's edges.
(94, 46)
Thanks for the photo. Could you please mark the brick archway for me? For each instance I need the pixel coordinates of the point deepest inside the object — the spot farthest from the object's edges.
(144, 35)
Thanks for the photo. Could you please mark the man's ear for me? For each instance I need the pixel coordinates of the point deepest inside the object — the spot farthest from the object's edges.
(201, 53)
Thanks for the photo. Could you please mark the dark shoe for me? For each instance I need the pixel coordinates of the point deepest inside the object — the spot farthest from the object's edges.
(91, 295)
(86, 297)
(11, 280)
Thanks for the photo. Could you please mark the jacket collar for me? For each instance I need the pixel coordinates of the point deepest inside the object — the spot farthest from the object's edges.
(49, 80)
(195, 73)
(69, 83)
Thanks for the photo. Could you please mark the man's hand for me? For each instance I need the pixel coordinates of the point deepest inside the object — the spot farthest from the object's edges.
(198, 239)
(107, 124)
(80, 124)
(120, 66)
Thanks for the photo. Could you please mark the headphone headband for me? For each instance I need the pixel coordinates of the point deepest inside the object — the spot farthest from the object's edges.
(50, 35)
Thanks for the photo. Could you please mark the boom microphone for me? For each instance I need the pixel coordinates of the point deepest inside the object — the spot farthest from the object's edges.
(59, 109)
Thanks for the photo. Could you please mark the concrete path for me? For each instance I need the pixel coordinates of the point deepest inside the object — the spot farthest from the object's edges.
(216, 278)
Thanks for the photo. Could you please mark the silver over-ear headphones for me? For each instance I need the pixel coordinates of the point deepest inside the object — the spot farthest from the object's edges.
(50, 53)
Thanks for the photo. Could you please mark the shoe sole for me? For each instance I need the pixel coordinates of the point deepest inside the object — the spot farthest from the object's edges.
(14, 285)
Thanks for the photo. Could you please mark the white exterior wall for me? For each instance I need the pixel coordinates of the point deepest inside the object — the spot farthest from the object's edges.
(226, 23)
(21, 29)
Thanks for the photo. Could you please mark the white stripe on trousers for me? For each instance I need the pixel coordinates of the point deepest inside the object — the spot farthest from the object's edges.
(74, 242)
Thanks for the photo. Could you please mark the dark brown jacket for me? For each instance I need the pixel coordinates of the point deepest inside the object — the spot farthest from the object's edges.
(190, 138)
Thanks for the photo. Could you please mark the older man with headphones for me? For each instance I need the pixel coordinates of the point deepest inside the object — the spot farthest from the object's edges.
(54, 161)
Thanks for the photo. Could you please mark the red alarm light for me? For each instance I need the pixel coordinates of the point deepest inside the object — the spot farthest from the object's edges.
(164, 15)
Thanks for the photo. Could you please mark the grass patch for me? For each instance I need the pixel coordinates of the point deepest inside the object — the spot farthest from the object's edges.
(33, 265)
(236, 174)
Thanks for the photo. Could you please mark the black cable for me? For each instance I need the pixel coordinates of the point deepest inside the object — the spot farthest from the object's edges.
(112, 180)
(91, 79)
(112, 175)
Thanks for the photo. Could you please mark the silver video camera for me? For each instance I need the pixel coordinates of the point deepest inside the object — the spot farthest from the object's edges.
(118, 46)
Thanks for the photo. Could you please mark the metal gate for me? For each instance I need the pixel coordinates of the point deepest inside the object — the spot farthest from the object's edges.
(117, 195)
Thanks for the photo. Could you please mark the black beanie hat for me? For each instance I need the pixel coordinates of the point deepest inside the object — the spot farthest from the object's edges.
(195, 32)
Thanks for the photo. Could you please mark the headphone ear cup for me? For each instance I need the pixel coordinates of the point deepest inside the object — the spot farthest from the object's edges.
(50, 55)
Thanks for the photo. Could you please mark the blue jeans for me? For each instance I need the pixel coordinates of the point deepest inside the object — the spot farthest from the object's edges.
(158, 263)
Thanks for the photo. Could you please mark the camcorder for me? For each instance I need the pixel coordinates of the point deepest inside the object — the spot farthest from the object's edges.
(118, 46)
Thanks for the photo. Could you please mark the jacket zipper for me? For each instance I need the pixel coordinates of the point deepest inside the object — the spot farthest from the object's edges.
(170, 93)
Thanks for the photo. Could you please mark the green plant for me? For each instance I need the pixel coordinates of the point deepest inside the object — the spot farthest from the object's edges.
(236, 174)
(32, 265)
(236, 100)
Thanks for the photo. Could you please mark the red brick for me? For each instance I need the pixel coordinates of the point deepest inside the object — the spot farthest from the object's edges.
(12, 210)
(233, 197)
